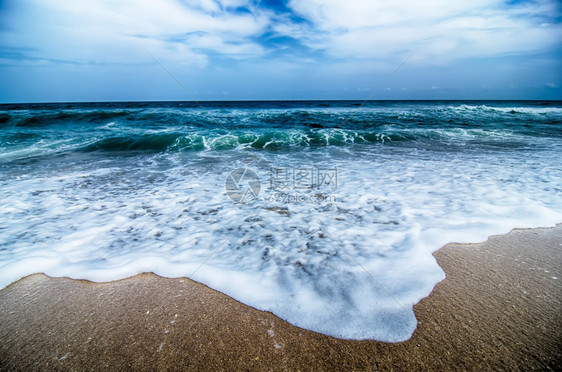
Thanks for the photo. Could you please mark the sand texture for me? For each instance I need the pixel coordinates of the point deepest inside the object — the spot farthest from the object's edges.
(500, 308)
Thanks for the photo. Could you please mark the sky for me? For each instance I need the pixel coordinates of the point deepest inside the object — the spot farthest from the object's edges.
(108, 50)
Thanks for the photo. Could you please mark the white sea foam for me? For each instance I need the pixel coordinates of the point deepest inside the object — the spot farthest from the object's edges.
(509, 109)
(351, 266)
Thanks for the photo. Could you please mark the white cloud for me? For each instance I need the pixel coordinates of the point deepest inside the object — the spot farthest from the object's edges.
(103, 31)
(435, 31)
(216, 43)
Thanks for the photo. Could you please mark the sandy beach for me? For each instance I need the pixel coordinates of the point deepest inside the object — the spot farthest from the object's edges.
(498, 309)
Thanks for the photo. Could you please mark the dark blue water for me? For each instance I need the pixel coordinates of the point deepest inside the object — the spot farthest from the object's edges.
(42, 129)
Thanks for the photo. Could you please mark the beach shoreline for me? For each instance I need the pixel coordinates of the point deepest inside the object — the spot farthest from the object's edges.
(497, 309)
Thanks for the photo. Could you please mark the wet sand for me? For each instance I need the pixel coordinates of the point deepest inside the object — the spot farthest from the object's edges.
(500, 308)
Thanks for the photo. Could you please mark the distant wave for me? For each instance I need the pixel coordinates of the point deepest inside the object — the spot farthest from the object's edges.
(29, 131)
(46, 118)
(511, 109)
(264, 115)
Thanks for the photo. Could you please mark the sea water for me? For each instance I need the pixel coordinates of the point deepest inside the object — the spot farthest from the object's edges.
(325, 213)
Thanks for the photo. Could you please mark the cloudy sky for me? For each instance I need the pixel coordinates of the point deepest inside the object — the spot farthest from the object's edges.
(106, 50)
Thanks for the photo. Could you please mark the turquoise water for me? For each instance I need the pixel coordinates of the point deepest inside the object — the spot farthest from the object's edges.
(160, 127)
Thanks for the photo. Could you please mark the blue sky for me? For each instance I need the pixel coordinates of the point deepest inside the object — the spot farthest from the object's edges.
(100, 50)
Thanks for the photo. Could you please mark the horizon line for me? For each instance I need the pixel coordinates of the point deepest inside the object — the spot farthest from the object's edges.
(198, 102)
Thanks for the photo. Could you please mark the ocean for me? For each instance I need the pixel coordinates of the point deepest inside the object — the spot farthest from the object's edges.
(325, 213)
